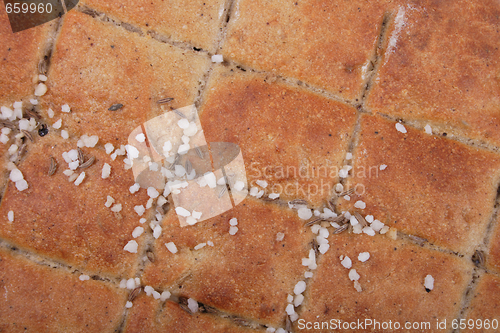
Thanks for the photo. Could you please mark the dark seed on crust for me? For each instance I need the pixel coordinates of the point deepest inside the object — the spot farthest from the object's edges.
(115, 107)
(53, 166)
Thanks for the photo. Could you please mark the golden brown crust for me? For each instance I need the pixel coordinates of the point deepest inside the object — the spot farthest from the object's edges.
(433, 187)
(485, 304)
(392, 282)
(70, 223)
(493, 251)
(193, 21)
(37, 298)
(19, 57)
(326, 44)
(149, 315)
(443, 67)
(249, 273)
(118, 67)
(292, 138)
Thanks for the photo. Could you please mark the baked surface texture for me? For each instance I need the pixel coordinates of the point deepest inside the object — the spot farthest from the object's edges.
(368, 188)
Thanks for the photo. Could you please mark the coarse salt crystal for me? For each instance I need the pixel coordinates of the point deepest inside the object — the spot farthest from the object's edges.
(369, 231)
(274, 196)
(200, 246)
(148, 290)
(153, 193)
(384, 230)
(106, 171)
(171, 247)
(131, 246)
(4, 138)
(140, 137)
(298, 299)
(360, 204)
(116, 208)
(289, 309)
(304, 213)
(346, 262)
(57, 124)
(12, 149)
(65, 108)
(183, 123)
(357, 286)
(16, 175)
(308, 275)
(192, 305)
(339, 187)
(157, 232)
(280, 236)
(254, 191)
(109, 148)
(239, 185)
(10, 216)
(137, 232)
(131, 284)
(42, 77)
(84, 277)
(363, 256)
(156, 295)
(353, 220)
(429, 282)
(383, 166)
(400, 128)
(64, 134)
(139, 210)
(109, 201)
(134, 188)
(182, 211)
(347, 198)
(348, 156)
(233, 230)
(132, 152)
(262, 183)
(217, 58)
(369, 218)
(353, 275)
(233, 221)
(40, 89)
(428, 129)
(129, 304)
(357, 229)
(50, 113)
(299, 288)
(377, 225)
(164, 296)
(315, 228)
(323, 248)
(21, 185)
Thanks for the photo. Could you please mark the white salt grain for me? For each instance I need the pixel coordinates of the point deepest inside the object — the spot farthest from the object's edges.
(42, 77)
(192, 305)
(64, 134)
(16, 175)
(182, 211)
(346, 262)
(348, 156)
(171, 247)
(10, 216)
(131, 284)
(305, 213)
(233, 230)
(13, 149)
(429, 282)
(369, 218)
(299, 288)
(363, 256)
(157, 232)
(116, 208)
(369, 231)
(156, 295)
(65, 108)
(354, 221)
(210, 179)
(50, 113)
(357, 229)
(239, 185)
(353, 275)
(183, 123)
(40, 89)
(84, 277)
(400, 128)
(377, 225)
(217, 58)
(233, 221)
(109, 148)
(148, 290)
(131, 246)
(262, 183)
(140, 137)
(109, 201)
(106, 171)
(357, 286)
(134, 188)
(153, 193)
(428, 129)
(298, 299)
(200, 246)
(289, 309)
(57, 124)
(280, 236)
(164, 296)
(360, 204)
(139, 210)
(21, 185)
(308, 275)
(323, 248)
(128, 305)
(137, 232)
(274, 196)
(347, 198)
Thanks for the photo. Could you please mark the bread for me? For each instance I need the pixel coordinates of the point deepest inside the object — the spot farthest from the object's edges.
(369, 135)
